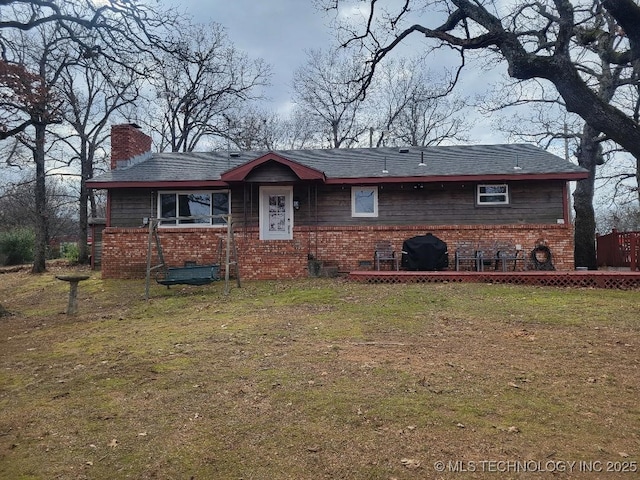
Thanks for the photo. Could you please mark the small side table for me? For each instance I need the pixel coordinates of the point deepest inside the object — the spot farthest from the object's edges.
(73, 280)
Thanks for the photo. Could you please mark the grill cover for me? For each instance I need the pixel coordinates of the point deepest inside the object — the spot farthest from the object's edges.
(424, 252)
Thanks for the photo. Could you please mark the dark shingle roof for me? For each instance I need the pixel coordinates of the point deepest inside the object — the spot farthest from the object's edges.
(441, 161)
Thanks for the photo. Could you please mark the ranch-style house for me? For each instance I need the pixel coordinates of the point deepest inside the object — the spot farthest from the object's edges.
(329, 206)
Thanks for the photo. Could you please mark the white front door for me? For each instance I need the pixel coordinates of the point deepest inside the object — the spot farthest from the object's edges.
(276, 213)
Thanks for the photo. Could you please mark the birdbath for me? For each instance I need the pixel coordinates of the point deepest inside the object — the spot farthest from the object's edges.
(73, 290)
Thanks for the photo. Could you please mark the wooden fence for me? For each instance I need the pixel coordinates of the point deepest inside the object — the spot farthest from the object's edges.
(619, 249)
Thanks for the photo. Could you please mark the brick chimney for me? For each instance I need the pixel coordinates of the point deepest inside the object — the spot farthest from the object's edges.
(127, 142)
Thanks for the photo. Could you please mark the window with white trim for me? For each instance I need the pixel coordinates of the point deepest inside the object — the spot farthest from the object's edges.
(493, 194)
(193, 208)
(364, 201)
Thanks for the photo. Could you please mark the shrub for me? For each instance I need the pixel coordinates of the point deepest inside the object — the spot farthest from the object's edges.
(16, 246)
(70, 251)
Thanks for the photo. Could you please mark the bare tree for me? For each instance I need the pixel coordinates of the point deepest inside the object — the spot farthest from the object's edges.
(256, 129)
(413, 109)
(595, 38)
(18, 210)
(204, 77)
(618, 178)
(43, 50)
(534, 38)
(297, 131)
(28, 14)
(253, 129)
(111, 29)
(324, 90)
(44, 45)
(94, 92)
(624, 218)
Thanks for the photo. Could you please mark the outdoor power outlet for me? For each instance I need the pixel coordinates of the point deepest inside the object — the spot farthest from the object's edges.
(518, 247)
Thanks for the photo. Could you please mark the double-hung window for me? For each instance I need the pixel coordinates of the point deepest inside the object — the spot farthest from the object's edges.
(193, 208)
(364, 201)
(493, 194)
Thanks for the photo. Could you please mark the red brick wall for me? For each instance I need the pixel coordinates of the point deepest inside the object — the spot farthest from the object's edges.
(127, 141)
(125, 249)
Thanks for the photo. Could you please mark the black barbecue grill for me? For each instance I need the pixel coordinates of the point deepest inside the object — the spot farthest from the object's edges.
(424, 252)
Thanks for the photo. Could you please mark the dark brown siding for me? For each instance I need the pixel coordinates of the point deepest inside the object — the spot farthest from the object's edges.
(249, 195)
(130, 206)
(406, 204)
(241, 196)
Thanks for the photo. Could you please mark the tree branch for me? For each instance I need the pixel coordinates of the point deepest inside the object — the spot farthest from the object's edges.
(627, 14)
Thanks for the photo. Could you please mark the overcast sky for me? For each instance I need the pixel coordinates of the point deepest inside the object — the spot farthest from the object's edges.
(278, 31)
(281, 31)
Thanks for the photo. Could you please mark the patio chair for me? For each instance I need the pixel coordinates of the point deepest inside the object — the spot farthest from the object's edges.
(384, 252)
(507, 252)
(488, 254)
(467, 251)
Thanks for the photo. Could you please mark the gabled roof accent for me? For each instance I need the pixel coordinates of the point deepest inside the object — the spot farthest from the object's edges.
(240, 173)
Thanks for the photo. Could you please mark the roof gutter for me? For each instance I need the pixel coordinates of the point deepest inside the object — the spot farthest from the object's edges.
(461, 178)
(161, 184)
(567, 176)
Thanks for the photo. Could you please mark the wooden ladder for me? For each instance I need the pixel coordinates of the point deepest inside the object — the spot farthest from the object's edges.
(154, 237)
(231, 255)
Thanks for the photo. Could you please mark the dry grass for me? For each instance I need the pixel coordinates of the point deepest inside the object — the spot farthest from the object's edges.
(315, 379)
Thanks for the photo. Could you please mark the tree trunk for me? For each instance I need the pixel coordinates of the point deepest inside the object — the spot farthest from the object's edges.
(85, 172)
(40, 194)
(638, 178)
(83, 248)
(585, 228)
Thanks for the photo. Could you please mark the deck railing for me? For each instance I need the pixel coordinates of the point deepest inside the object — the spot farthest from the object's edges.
(619, 249)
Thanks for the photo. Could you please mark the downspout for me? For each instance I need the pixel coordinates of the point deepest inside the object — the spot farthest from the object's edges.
(244, 207)
(92, 263)
(108, 210)
(316, 219)
(565, 203)
(310, 216)
(246, 227)
(151, 206)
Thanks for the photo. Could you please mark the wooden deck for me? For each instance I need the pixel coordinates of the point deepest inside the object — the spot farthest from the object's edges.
(594, 279)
